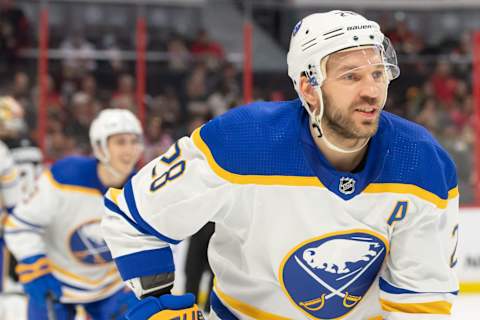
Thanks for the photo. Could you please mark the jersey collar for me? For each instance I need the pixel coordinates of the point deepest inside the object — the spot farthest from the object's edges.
(346, 185)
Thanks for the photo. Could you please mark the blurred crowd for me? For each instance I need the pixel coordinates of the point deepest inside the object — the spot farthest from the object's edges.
(196, 82)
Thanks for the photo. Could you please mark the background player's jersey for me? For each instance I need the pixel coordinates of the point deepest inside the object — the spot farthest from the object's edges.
(295, 238)
(28, 159)
(10, 192)
(62, 220)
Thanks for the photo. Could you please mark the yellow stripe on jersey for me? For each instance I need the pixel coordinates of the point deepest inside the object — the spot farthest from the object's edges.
(78, 278)
(469, 287)
(9, 177)
(250, 179)
(9, 223)
(88, 296)
(435, 307)
(37, 265)
(314, 181)
(245, 308)
(453, 193)
(411, 189)
(71, 188)
(114, 193)
(29, 272)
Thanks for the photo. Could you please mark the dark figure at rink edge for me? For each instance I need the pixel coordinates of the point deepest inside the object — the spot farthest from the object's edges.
(56, 235)
(325, 207)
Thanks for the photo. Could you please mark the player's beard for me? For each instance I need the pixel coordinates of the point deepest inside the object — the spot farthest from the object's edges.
(341, 121)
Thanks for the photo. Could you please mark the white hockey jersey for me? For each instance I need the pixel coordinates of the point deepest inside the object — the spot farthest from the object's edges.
(10, 190)
(62, 220)
(295, 238)
(10, 195)
(28, 160)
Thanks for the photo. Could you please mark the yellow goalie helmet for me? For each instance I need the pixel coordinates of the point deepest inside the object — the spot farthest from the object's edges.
(11, 115)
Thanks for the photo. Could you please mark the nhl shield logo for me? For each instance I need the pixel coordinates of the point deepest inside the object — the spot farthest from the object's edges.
(327, 277)
(346, 185)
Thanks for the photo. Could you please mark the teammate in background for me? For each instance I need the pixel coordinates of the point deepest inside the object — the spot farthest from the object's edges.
(55, 235)
(26, 155)
(13, 132)
(325, 207)
(10, 194)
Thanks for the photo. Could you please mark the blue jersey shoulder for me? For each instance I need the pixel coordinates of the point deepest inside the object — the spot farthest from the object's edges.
(415, 157)
(77, 171)
(258, 139)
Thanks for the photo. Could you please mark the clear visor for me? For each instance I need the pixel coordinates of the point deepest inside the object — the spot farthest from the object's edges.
(378, 62)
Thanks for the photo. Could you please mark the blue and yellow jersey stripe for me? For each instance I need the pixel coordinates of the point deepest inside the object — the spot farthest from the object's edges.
(313, 181)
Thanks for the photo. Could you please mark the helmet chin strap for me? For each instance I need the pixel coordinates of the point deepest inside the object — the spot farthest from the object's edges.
(112, 170)
(316, 120)
(102, 155)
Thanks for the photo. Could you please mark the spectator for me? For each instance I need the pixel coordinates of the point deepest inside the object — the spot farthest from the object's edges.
(14, 34)
(178, 55)
(444, 83)
(115, 63)
(78, 55)
(124, 96)
(207, 50)
(157, 140)
(168, 106)
(82, 113)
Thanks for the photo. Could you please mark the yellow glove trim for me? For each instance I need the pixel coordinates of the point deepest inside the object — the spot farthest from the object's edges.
(184, 314)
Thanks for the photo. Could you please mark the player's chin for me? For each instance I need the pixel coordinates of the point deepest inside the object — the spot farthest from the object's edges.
(368, 131)
(125, 169)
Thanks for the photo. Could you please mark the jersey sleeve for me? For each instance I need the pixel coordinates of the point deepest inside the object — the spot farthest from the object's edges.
(168, 200)
(419, 280)
(29, 220)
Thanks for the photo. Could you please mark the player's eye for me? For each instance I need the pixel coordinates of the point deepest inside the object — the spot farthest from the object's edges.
(350, 76)
(378, 75)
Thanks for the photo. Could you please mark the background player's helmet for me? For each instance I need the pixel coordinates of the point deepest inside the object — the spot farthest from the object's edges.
(108, 123)
(11, 116)
(321, 34)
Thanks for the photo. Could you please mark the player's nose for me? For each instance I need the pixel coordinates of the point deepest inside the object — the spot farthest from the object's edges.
(370, 89)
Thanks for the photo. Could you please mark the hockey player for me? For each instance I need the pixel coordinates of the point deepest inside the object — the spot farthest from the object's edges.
(27, 156)
(325, 207)
(10, 194)
(56, 235)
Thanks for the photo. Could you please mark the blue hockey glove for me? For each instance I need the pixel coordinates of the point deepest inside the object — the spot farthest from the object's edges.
(166, 307)
(38, 282)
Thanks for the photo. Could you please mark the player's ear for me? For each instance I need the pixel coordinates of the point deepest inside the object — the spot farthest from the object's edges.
(308, 92)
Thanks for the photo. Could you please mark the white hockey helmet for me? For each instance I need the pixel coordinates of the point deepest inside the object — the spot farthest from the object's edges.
(11, 115)
(108, 123)
(319, 35)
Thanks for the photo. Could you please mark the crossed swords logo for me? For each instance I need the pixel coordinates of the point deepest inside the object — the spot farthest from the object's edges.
(349, 301)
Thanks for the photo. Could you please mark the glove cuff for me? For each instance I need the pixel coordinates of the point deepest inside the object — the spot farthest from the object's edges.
(33, 268)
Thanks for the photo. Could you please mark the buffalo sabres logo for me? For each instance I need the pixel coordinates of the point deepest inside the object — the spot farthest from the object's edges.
(327, 277)
(346, 185)
(87, 244)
